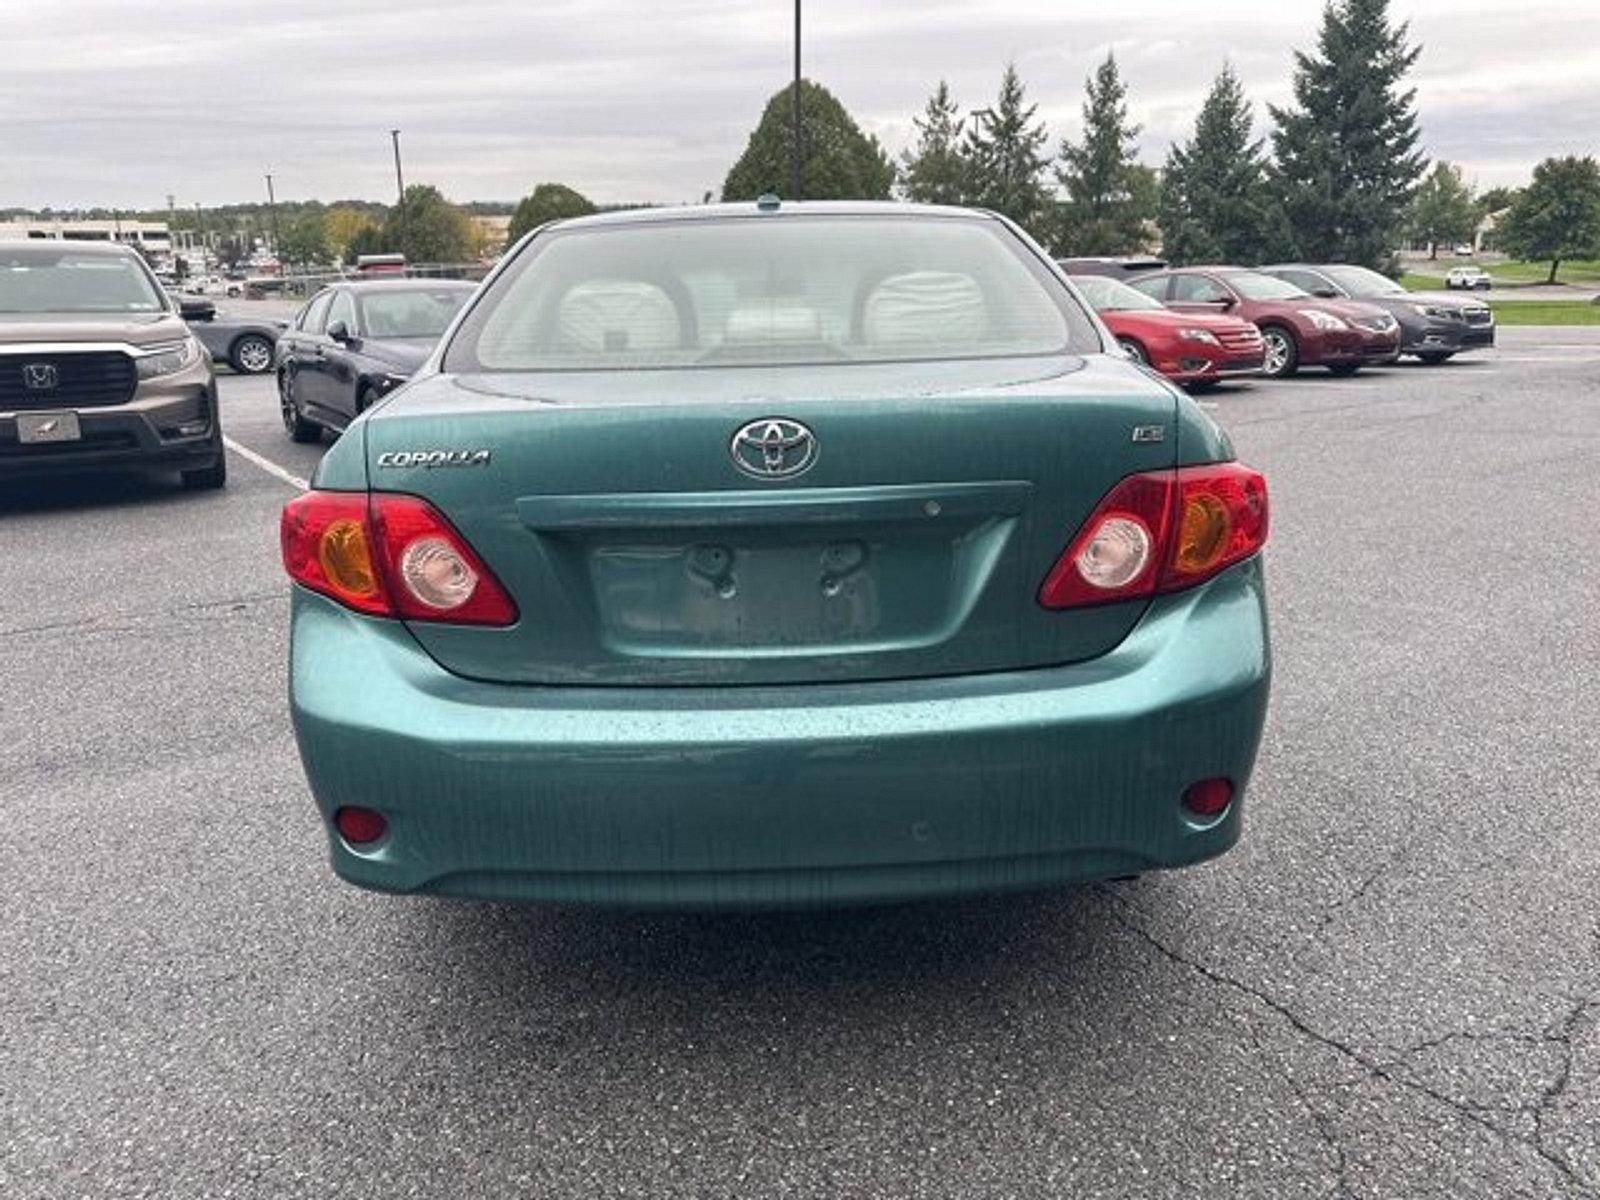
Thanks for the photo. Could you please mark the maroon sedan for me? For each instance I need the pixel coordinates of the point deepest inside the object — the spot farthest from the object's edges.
(1298, 329)
(1188, 348)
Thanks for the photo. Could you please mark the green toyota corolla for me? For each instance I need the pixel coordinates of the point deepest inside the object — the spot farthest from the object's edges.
(776, 554)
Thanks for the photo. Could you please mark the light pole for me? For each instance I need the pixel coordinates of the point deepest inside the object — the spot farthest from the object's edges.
(794, 108)
(400, 188)
(272, 212)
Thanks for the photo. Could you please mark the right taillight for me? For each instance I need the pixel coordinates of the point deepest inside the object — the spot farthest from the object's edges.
(1161, 531)
(389, 555)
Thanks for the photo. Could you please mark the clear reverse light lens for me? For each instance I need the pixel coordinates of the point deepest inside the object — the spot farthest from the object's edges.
(436, 575)
(167, 359)
(1116, 554)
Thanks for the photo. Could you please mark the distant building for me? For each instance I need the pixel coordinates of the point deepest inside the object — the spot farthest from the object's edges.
(151, 236)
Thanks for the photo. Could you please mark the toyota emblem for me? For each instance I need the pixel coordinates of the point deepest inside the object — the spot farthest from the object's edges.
(774, 448)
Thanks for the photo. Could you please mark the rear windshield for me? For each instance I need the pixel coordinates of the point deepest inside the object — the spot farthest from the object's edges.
(411, 313)
(776, 291)
(57, 280)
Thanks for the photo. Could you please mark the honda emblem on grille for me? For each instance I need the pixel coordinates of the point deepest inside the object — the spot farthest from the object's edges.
(40, 377)
(773, 448)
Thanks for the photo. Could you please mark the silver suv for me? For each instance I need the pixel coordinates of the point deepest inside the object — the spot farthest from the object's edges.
(97, 368)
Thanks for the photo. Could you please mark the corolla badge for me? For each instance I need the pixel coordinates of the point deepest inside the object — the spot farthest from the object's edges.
(40, 377)
(773, 448)
(434, 458)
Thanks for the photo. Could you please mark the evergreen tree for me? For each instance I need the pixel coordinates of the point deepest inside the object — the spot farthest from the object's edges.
(1442, 209)
(547, 202)
(1213, 204)
(1558, 215)
(838, 161)
(1347, 156)
(1004, 163)
(934, 170)
(1106, 208)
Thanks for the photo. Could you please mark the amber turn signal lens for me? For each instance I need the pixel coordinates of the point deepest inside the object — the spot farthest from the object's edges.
(345, 559)
(1203, 533)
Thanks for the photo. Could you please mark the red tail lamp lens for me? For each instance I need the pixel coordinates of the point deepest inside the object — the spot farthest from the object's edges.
(1208, 797)
(390, 555)
(360, 826)
(1161, 531)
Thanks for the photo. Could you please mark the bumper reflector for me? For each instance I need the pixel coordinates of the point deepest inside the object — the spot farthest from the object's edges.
(1208, 797)
(360, 826)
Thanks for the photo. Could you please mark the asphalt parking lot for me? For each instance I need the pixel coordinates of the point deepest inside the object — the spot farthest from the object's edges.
(1390, 989)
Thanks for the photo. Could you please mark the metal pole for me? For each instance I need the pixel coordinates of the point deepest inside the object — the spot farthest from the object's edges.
(795, 182)
(272, 211)
(400, 188)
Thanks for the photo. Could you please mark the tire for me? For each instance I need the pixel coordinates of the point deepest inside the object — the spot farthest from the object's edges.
(1281, 353)
(294, 423)
(1135, 350)
(205, 479)
(1434, 357)
(1344, 370)
(250, 355)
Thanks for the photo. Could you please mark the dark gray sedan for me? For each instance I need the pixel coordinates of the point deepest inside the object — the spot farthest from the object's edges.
(1434, 326)
(245, 343)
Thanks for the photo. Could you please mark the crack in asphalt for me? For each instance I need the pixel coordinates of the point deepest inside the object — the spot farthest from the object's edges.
(1376, 1069)
(104, 624)
(1325, 1128)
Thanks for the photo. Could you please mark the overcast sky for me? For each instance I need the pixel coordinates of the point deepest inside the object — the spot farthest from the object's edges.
(108, 102)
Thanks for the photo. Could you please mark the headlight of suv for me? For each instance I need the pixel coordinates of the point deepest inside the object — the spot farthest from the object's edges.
(1199, 335)
(167, 358)
(1326, 322)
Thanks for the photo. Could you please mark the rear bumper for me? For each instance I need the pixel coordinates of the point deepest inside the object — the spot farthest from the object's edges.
(835, 793)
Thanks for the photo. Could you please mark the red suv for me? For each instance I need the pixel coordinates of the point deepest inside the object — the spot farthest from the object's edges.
(1298, 329)
(1189, 348)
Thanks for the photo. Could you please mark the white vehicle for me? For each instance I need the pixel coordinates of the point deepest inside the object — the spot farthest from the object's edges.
(1464, 250)
(1467, 277)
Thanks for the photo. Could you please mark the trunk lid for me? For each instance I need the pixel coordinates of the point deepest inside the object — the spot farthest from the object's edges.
(638, 554)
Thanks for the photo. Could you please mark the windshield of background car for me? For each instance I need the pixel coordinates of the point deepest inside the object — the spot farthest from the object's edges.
(62, 280)
(1359, 281)
(779, 291)
(1264, 287)
(422, 312)
(1112, 295)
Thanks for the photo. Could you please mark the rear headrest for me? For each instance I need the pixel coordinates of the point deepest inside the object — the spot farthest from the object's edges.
(925, 308)
(617, 316)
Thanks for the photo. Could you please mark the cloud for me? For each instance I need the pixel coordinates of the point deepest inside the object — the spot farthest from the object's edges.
(102, 102)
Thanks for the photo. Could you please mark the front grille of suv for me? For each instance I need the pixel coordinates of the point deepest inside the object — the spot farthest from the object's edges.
(77, 379)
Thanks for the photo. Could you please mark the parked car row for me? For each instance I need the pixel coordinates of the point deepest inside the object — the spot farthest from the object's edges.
(1198, 325)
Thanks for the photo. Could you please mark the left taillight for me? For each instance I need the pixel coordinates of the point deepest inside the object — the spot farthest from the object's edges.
(389, 555)
(1161, 531)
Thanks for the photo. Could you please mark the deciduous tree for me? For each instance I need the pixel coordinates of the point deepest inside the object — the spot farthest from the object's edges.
(427, 228)
(1442, 209)
(548, 202)
(1558, 216)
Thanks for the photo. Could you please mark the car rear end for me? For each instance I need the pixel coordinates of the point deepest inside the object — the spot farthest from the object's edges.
(96, 370)
(724, 620)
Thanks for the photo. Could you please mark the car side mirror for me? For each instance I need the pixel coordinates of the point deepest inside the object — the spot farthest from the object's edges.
(339, 331)
(196, 308)
(1325, 293)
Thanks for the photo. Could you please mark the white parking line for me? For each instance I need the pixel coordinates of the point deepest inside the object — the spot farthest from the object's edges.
(266, 464)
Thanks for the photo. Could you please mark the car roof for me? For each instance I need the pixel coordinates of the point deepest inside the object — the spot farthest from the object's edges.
(752, 209)
(362, 287)
(108, 249)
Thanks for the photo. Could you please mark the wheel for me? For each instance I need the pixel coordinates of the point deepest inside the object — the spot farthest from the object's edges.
(1135, 351)
(1434, 357)
(1281, 356)
(251, 354)
(203, 479)
(299, 429)
(1344, 369)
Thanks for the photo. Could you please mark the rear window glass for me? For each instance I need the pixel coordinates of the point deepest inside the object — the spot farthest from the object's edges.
(62, 280)
(768, 292)
(412, 313)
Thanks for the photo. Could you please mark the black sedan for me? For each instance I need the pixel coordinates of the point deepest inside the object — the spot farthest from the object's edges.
(1434, 326)
(355, 342)
(244, 343)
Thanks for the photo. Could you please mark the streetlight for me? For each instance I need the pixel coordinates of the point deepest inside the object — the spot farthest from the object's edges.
(400, 188)
(795, 107)
(272, 210)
